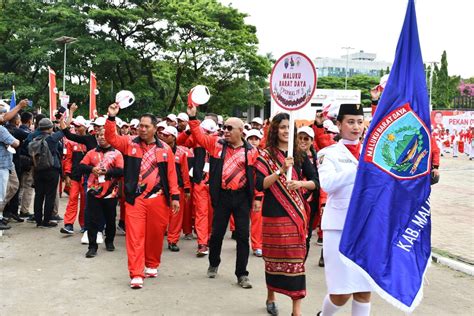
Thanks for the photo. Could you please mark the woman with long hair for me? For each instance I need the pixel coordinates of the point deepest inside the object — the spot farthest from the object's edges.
(337, 172)
(284, 213)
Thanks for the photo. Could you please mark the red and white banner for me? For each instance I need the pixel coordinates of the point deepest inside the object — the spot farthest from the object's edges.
(92, 96)
(53, 91)
(452, 120)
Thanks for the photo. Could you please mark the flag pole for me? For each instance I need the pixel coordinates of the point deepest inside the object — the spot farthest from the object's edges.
(291, 141)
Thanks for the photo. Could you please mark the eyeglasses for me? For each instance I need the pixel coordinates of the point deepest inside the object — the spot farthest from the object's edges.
(228, 128)
(304, 138)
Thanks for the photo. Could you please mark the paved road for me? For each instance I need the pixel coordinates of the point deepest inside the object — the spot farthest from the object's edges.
(45, 272)
(453, 208)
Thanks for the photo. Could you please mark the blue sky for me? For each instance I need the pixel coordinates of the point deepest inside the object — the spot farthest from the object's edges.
(319, 28)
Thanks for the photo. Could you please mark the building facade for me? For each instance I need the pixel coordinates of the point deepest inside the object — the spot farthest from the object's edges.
(360, 63)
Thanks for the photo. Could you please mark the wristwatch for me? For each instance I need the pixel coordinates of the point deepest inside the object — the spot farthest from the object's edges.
(278, 172)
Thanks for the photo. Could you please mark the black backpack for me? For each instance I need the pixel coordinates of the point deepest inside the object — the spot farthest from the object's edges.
(40, 154)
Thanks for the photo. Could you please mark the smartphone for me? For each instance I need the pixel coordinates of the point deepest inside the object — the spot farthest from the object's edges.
(30, 103)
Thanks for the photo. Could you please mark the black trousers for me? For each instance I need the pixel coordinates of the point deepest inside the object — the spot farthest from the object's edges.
(238, 204)
(46, 184)
(98, 209)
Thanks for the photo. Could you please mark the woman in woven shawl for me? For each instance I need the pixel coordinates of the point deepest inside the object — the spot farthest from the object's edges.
(284, 212)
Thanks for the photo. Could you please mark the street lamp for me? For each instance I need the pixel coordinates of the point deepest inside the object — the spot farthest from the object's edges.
(347, 48)
(65, 40)
(432, 65)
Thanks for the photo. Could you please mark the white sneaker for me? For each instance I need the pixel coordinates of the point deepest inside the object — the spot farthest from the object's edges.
(100, 238)
(136, 283)
(85, 239)
(151, 273)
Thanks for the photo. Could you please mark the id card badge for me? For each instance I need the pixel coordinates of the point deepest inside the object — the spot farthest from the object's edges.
(206, 167)
(101, 178)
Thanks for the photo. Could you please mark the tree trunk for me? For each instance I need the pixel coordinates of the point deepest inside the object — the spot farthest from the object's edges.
(122, 84)
(179, 73)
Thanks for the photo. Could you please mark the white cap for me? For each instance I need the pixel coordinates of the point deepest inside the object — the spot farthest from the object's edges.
(209, 125)
(80, 120)
(247, 126)
(333, 110)
(162, 124)
(220, 119)
(307, 130)
(100, 121)
(170, 130)
(257, 120)
(253, 132)
(183, 117)
(172, 117)
(333, 129)
(383, 81)
(134, 123)
(327, 124)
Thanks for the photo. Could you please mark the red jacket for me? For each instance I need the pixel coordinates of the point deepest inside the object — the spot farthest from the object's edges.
(109, 159)
(133, 150)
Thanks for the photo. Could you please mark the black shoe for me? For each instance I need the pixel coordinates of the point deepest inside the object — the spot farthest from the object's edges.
(67, 229)
(4, 226)
(91, 253)
(5, 221)
(17, 218)
(47, 224)
(211, 272)
(321, 260)
(25, 215)
(173, 247)
(109, 246)
(320, 241)
(56, 218)
(272, 308)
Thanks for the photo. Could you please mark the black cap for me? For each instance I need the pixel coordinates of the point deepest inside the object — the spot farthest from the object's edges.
(349, 109)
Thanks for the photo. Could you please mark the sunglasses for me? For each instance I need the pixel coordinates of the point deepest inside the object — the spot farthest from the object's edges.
(228, 128)
(304, 138)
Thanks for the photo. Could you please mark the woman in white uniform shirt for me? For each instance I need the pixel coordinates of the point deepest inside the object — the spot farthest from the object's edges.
(337, 172)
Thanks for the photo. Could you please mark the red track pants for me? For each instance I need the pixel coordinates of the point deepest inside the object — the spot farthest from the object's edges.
(176, 220)
(188, 215)
(146, 223)
(76, 191)
(203, 209)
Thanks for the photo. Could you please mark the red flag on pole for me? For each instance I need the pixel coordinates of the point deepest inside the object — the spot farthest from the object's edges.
(53, 91)
(92, 93)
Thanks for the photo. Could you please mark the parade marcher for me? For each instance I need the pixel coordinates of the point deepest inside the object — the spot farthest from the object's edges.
(455, 141)
(183, 120)
(231, 186)
(104, 165)
(337, 171)
(256, 123)
(200, 192)
(170, 133)
(151, 187)
(73, 178)
(254, 137)
(284, 212)
(305, 139)
(171, 120)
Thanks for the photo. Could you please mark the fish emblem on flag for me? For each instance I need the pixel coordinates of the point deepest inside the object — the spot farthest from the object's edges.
(400, 144)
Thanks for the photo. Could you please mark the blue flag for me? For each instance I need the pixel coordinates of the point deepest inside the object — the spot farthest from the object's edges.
(13, 100)
(388, 226)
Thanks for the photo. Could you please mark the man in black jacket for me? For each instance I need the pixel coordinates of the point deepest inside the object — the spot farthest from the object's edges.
(231, 186)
